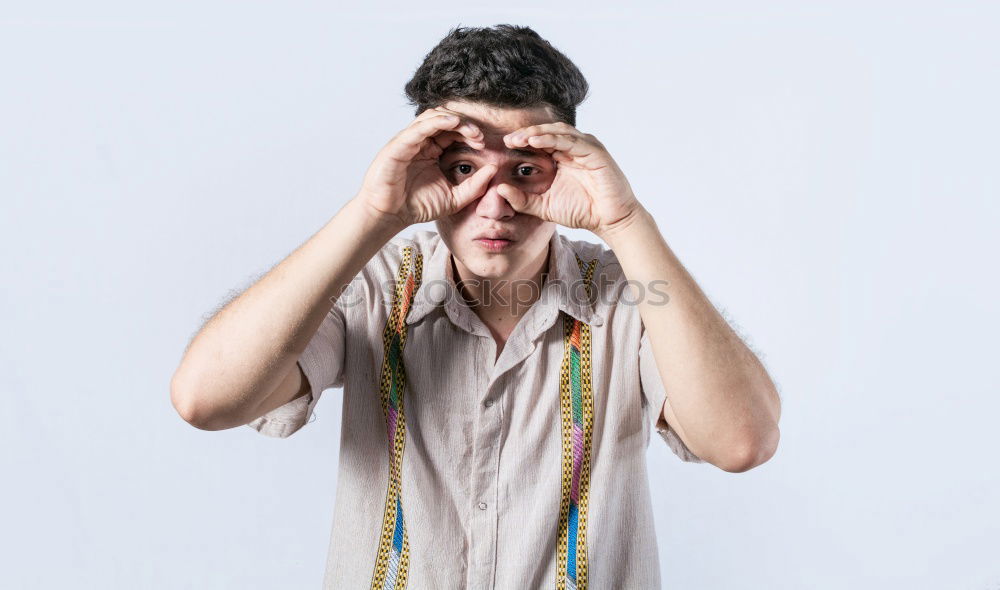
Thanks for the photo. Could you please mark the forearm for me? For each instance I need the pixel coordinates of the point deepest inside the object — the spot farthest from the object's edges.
(718, 389)
(241, 354)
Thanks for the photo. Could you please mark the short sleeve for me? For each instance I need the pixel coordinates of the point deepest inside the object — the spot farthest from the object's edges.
(322, 362)
(654, 394)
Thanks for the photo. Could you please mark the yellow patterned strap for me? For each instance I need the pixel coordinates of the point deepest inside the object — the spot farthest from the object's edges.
(393, 559)
(577, 411)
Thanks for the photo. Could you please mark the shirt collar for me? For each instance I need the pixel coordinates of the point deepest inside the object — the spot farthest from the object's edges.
(563, 289)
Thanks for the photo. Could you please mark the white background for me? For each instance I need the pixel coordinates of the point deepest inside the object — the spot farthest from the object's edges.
(826, 170)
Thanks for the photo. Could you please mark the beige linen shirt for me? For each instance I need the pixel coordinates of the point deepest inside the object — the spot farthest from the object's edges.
(481, 482)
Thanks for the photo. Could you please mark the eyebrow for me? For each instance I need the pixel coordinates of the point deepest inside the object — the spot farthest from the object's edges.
(462, 148)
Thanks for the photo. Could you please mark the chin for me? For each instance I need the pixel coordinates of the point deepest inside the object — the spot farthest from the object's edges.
(489, 266)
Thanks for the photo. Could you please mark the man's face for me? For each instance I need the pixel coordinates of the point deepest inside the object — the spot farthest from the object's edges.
(529, 169)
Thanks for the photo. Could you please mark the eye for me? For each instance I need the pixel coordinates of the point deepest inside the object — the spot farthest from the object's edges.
(465, 169)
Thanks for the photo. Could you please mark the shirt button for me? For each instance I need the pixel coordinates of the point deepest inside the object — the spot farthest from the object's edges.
(482, 505)
(488, 403)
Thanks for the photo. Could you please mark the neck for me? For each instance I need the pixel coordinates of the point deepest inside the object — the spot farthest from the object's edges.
(503, 299)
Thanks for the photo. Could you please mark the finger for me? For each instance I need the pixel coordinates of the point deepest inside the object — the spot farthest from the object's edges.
(522, 202)
(437, 111)
(574, 145)
(473, 187)
(441, 110)
(562, 152)
(557, 127)
(408, 142)
(520, 136)
(475, 131)
(466, 132)
(427, 113)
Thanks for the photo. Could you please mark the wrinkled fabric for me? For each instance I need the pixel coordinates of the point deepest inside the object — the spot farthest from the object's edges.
(481, 467)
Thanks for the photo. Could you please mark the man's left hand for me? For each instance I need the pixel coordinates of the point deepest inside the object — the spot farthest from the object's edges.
(589, 190)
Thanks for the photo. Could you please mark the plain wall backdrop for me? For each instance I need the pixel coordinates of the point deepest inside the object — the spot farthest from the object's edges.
(828, 172)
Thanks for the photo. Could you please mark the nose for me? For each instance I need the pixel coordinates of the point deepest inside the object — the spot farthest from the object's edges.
(492, 204)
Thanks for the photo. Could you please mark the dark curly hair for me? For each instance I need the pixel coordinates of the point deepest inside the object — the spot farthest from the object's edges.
(504, 66)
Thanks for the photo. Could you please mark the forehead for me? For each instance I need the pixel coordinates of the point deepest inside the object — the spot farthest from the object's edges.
(500, 120)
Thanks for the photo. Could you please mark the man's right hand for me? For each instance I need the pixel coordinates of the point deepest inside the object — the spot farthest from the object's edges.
(243, 362)
(405, 182)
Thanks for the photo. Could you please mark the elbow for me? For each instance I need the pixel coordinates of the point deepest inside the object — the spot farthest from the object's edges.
(186, 402)
(755, 451)
(757, 446)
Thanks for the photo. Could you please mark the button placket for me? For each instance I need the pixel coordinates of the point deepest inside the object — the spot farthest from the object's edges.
(483, 522)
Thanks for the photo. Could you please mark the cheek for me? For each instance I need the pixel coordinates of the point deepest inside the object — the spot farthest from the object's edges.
(456, 223)
(539, 182)
(463, 215)
(449, 175)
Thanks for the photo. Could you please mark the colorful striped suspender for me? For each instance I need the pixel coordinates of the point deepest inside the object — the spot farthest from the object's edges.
(576, 409)
(392, 563)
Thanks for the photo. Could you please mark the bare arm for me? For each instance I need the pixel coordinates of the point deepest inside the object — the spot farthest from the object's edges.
(721, 401)
(242, 363)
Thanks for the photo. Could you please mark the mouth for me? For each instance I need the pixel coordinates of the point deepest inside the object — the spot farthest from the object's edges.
(495, 241)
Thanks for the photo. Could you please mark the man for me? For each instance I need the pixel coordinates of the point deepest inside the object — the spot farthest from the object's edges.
(500, 381)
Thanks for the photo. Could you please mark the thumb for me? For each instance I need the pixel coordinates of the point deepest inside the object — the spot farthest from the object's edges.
(473, 187)
(529, 204)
